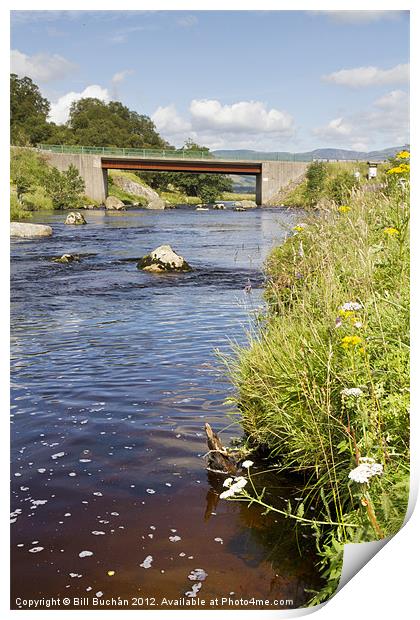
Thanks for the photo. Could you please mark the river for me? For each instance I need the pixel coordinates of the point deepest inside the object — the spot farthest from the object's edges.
(114, 373)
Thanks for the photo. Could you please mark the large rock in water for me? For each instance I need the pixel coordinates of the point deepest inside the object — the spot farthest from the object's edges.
(114, 204)
(75, 218)
(29, 231)
(136, 189)
(163, 259)
(157, 203)
(246, 204)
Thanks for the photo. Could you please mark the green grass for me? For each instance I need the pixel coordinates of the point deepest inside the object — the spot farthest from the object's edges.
(237, 196)
(304, 351)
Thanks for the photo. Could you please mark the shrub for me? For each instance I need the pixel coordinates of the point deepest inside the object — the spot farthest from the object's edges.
(65, 188)
(315, 180)
(37, 199)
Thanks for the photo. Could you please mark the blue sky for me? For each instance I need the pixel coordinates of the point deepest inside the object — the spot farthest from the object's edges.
(271, 80)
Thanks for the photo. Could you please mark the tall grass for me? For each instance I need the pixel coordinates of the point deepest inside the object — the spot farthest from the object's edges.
(323, 384)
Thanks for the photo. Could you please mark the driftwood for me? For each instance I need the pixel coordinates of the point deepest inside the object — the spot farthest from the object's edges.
(219, 460)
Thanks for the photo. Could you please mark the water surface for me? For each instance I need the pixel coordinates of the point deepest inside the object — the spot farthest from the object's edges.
(114, 373)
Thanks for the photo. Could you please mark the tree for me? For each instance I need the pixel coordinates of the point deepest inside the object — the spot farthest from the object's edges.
(95, 123)
(28, 112)
(65, 188)
(316, 175)
(27, 169)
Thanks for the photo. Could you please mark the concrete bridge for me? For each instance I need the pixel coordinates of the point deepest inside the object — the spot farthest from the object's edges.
(271, 176)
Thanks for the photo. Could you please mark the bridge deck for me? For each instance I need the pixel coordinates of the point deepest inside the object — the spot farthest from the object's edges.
(176, 165)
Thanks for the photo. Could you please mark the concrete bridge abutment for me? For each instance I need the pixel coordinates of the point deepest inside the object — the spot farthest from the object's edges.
(275, 175)
(90, 169)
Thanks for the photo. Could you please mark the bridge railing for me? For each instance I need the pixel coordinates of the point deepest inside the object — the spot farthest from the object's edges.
(165, 153)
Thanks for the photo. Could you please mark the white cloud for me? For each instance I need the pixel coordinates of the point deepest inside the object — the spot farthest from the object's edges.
(40, 67)
(59, 112)
(238, 125)
(386, 121)
(369, 76)
(360, 17)
(243, 117)
(120, 76)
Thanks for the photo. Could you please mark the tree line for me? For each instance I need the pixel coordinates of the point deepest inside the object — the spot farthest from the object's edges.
(93, 122)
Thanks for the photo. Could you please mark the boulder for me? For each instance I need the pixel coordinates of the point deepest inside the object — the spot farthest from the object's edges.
(66, 258)
(156, 203)
(163, 259)
(29, 231)
(136, 189)
(114, 204)
(75, 218)
(246, 204)
(239, 209)
(219, 205)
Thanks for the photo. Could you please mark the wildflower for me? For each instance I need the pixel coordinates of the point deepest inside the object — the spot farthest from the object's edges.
(338, 322)
(234, 486)
(366, 470)
(344, 209)
(351, 306)
(391, 232)
(247, 464)
(403, 155)
(395, 170)
(356, 392)
(346, 314)
(298, 228)
(350, 341)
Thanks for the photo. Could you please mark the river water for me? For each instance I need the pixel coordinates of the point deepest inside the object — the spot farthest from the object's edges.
(114, 373)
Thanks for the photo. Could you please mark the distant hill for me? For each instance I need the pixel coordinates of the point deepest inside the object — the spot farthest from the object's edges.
(327, 153)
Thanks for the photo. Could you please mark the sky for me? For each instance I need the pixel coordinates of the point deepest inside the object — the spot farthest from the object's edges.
(263, 80)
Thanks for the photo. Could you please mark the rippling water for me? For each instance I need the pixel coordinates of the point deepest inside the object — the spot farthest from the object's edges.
(114, 373)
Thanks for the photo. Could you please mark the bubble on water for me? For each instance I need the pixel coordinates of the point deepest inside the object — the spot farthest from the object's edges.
(98, 533)
(36, 549)
(41, 470)
(198, 574)
(194, 590)
(147, 562)
(68, 514)
(182, 554)
(151, 491)
(168, 484)
(98, 493)
(89, 588)
(115, 514)
(99, 594)
(74, 575)
(38, 502)
(57, 456)
(174, 538)
(152, 527)
(85, 460)
(219, 540)
(150, 535)
(172, 530)
(17, 474)
(72, 473)
(85, 554)
(24, 488)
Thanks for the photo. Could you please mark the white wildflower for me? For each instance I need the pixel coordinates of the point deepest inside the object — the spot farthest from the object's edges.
(351, 306)
(355, 391)
(234, 487)
(198, 574)
(228, 482)
(366, 470)
(247, 464)
(358, 324)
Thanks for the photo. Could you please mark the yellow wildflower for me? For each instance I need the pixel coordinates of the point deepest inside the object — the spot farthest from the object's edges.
(298, 228)
(346, 314)
(391, 232)
(111, 573)
(403, 155)
(344, 209)
(350, 341)
(396, 170)
(404, 167)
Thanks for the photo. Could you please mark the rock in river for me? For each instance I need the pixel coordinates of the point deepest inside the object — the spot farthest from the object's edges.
(75, 218)
(114, 204)
(246, 204)
(28, 231)
(66, 258)
(157, 203)
(163, 259)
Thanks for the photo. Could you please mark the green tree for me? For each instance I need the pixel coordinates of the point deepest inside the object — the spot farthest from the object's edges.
(65, 188)
(27, 169)
(95, 123)
(341, 185)
(28, 112)
(316, 176)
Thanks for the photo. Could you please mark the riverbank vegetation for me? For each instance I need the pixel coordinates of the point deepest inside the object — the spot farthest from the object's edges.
(322, 388)
(334, 181)
(35, 186)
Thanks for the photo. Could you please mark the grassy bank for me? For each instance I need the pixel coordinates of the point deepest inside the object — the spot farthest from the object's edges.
(338, 182)
(322, 387)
